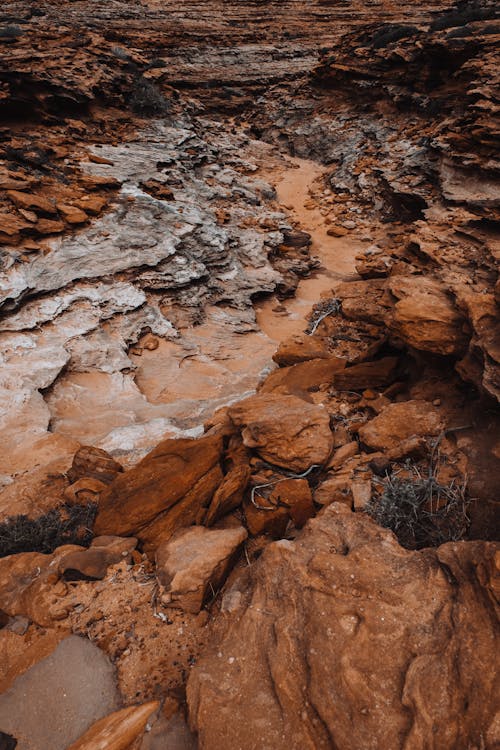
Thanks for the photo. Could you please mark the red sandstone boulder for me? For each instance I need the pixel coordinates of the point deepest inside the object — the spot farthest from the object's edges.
(425, 317)
(93, 463)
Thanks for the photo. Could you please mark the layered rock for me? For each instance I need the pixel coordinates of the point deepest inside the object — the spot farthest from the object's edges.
(418, 154)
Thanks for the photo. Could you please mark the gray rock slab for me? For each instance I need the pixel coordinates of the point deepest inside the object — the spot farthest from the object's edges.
(53, 703)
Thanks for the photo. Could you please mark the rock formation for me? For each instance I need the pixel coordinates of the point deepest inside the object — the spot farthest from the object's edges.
(249, 375)
(343, 639)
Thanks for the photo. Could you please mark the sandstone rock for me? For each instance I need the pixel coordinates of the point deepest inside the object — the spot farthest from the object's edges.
(303, 376)
(361, 493)
(284, 430)
(36, 203)
(11, 226)
(365, 300)
(343, 639)
(425, 318)
(169, 489)
(375, 374)
(72, 214)
(400, 422)
(337, 231)
(229, 494)
(334, 489)
(30, 585)
(118, 730)
(92, 204)
(93, 463)
(93, 563)
(342, 454)
(195, 562)
(96, 182)
(290, 500)
(86, 489)
(269, 518)
(49, 226)
(299, 349)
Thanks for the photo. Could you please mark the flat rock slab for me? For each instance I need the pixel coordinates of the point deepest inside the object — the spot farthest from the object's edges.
(195, 561)
(54, 702)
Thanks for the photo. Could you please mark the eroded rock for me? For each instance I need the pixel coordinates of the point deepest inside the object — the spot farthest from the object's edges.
(400, 422)
(169, 489)
(284, 430)
(194, 563)
(345, 639)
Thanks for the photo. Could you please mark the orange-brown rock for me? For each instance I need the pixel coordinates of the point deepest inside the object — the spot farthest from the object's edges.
(302, 376)
(11, 226)
(284, 430)
(118, 730)
(290, 500)
(229, 494)
(193, 564)
(334, 489)
(72, 214)
(400, 422)
(169, 489)
(93, 563)
(268, 518)
(344, 639)
(343, 453)
(375, 374)
(93, 463)
(301, 348)
(49, 226)
(96, 182)
(296, 495)
(30, 202)
(86, 489)
(425, 317)
(30, 585)
(92, 204)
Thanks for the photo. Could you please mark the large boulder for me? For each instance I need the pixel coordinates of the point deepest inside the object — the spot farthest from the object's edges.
(284, 430)
(343, 639)
(169, 489)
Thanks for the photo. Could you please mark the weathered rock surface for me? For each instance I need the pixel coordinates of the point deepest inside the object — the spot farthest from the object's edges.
(170, 488)
(93, 563)
(55, 701)
(399, 422)
(194, 563)
(152, 243)
(343, 639)
(284, 430)
(93, 463)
